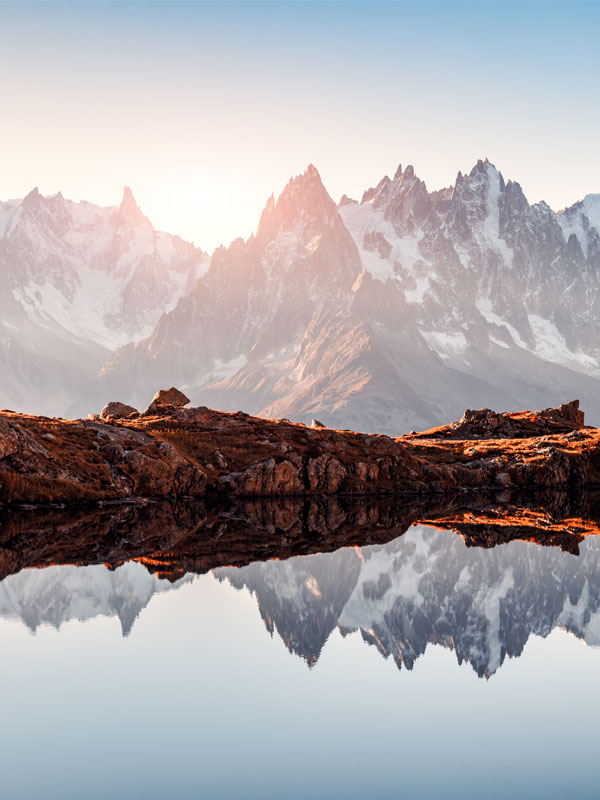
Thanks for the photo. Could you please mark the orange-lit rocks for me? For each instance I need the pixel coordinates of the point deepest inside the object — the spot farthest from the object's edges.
(191, 452)
(116, 410)
(169, 397)
(487, 424)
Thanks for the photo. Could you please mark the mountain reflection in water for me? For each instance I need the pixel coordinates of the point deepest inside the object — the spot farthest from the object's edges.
(424, 588)
(419, 586)
(137, 660)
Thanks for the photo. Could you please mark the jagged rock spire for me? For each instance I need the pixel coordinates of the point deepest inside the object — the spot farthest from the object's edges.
(129, 211)
(305, 197)
(33, 198)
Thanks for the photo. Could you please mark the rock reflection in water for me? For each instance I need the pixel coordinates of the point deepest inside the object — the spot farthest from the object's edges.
(172, 540)
(401, 585)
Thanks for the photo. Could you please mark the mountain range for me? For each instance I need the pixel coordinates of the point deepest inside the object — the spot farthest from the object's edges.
(394, 312)
(79, 280)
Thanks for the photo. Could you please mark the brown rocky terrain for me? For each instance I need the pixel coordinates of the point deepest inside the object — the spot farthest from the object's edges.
(487, 424)
(174, 452)
(190, 489)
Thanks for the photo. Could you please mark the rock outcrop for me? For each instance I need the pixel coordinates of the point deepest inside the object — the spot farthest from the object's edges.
(166, 399)
(170, 397)
(117, 410)
(174, 452)
(487, 424)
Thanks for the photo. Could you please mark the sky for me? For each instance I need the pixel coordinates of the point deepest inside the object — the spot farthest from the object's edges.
(205, 109)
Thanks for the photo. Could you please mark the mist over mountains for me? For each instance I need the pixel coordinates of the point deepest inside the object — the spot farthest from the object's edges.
(391, 313)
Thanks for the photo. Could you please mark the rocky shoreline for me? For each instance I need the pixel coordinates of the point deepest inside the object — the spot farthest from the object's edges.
(172, 452)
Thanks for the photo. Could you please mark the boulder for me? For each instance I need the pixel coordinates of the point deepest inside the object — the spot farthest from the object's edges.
(167, 397)
(502, 479)
(117, 410)
(316, 424)
(170, 397)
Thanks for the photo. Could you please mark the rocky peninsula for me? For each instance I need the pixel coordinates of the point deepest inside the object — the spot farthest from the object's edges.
(174, 452)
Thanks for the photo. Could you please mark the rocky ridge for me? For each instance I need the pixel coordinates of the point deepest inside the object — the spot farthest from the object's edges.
(170, 451)
(484, 423)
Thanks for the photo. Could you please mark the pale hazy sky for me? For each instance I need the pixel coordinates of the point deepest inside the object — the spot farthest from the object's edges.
(204, 109)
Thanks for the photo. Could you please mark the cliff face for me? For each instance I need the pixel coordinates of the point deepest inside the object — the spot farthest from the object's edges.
(173, 452)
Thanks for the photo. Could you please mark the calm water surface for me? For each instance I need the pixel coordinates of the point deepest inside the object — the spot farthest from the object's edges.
(420, 668)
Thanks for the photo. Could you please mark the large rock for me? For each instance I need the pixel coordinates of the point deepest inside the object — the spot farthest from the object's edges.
(570, 412)
(168, 397)
(117, 410)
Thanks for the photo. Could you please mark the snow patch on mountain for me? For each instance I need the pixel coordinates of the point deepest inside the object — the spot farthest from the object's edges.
(578, 219)
(591, 206)
(484, 306)
(551, 346)
(417, 294)
(491, 224)
(225, 369)
(446, 345)
(402, 251)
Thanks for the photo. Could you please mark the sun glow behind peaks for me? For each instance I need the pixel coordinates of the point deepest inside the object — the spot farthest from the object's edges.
(205, 109)
(203, 207)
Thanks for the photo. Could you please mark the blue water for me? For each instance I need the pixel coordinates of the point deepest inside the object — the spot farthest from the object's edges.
(200, 700)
